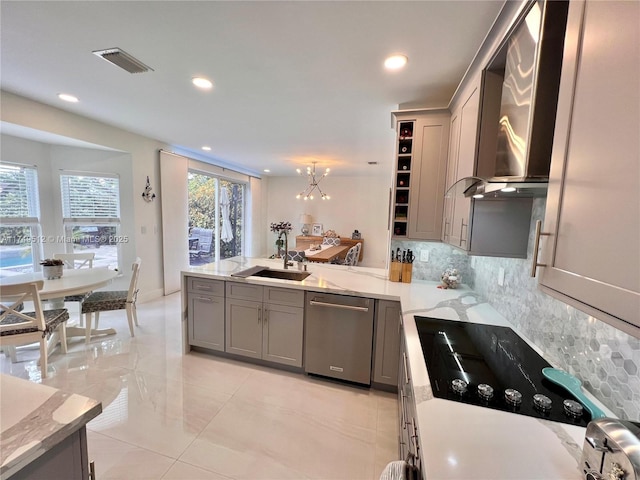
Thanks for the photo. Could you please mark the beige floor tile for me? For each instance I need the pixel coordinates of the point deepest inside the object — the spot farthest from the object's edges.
(184, 471)
(309, 395)
(116, 460)
(153, 413)
(259, 441)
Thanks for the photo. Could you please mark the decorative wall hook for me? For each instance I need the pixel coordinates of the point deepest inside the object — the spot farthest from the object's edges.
(148, 194)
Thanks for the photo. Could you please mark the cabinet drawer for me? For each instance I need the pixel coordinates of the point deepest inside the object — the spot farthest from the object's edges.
(244, 291)
(203, 285)
(284, 296)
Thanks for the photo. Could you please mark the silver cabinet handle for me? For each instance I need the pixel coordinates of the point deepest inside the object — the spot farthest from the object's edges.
(446, 235)
(266, 315)
(536, 246)
(259, 310)
(204, 299)
(406, 370)
(337, 305)
(462, 225)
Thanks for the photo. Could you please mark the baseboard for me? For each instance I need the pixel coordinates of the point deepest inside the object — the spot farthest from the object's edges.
(147, 295)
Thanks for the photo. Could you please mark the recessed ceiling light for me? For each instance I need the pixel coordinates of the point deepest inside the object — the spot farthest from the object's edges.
(68, 98)
(508, 189)
(266, 170)
(395, 62)
(478, 195)
(202, 82)
(206, 148)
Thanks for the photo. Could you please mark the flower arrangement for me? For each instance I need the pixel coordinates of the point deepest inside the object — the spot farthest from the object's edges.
(281, 227)
(450, 278)
(51, 262)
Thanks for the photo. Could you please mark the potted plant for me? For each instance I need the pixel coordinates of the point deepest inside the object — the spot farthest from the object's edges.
(52, 268)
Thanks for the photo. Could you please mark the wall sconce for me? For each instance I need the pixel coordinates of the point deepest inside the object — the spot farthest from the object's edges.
(148, 195)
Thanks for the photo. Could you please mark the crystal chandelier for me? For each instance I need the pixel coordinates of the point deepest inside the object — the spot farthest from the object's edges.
(307, 193)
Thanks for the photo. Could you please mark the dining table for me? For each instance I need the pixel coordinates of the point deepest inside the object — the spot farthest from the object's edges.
(326, 254)
(72, 282)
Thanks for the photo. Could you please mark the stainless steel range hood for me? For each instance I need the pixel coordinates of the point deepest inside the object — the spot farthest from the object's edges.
(519, 101)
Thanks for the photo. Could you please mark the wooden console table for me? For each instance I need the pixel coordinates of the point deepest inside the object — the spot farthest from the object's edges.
(303, 242)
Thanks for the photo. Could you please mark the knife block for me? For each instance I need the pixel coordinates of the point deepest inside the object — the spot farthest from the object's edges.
(395, 271)
(407, 270)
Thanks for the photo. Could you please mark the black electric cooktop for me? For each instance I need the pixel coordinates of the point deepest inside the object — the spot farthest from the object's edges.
(483, 365)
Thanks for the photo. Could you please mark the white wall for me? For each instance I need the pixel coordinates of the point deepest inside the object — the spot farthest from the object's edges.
(144, 161)
(360, 203)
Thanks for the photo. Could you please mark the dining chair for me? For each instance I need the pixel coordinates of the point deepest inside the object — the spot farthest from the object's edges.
(350, 258)
(24, 328)
(76, 261)
(103, 301)
(358, 247)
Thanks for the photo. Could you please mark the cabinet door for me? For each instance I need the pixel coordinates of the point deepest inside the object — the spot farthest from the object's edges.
(206, 321)
(452, 176)
(593, 205)
(465, 164)
(387, 343)
(244, 327)
(426, 197)
(282, 334)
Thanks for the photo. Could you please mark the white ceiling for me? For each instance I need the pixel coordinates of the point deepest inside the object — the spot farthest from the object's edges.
(295, 81)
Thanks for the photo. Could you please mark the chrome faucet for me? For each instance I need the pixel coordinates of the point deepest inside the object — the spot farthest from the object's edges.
(287, 264)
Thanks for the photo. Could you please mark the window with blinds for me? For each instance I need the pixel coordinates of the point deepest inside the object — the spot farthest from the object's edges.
(20, 240)
(91, 216)
(90, 197)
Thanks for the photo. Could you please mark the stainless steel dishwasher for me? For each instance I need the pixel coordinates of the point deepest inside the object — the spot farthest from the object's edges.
(339, 336)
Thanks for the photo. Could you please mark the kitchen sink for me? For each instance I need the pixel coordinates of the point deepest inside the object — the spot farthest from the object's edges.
(272, 273)
(282, 274)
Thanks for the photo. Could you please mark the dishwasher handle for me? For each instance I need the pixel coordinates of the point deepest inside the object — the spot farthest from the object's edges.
(337, 305)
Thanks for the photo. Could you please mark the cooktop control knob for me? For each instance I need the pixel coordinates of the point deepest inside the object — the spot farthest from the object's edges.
(459, 386)
(485, 391)
(542, 402)
(593, 475)
(512, 397)
(572, 408)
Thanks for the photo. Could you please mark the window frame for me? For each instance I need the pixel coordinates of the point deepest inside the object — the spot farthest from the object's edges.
(31, 221)
(69, 222)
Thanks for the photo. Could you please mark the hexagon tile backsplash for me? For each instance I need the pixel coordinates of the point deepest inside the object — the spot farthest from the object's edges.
(605, 359)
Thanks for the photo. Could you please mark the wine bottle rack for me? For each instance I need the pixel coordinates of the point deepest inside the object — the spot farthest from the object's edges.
(402, 177)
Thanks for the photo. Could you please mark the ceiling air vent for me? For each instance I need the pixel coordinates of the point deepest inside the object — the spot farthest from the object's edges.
(123, 60)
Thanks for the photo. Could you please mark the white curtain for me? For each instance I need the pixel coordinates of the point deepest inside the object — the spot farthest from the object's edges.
(175, 218)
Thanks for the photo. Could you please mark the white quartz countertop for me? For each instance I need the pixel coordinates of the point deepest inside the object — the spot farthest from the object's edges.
(457, 441)
(35, 418)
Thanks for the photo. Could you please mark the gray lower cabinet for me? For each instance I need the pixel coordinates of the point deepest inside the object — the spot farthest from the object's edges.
(408, 440)
(68, 460)
(386, 350)
(206, 313)
(265, 323)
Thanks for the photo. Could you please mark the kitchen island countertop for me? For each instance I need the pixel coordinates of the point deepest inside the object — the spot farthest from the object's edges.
(35, 418)
(457, 441)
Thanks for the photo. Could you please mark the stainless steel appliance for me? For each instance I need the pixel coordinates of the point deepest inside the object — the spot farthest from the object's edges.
(492, 367)
(519, 99)
(611, 450)
(339, 337)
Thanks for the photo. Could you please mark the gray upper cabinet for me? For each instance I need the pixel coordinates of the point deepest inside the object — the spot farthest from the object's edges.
(591, 250)
(386, 354)
(419, 183)
(461, 162)
(206, 313)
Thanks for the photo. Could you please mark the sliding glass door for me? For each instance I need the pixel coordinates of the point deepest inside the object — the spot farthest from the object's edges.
(216, 218)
